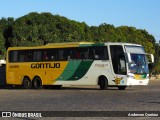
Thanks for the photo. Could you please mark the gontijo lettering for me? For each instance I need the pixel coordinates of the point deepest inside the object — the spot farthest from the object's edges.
(45, 65)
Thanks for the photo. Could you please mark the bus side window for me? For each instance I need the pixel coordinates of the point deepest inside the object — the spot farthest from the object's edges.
(50, 54)
(45, 56)
(91, 53)
(13, 56)
(70, 54)
(102, 53)
(37, 56)
(98, 53)
(77, 55)
(60, 55)
(28, 56)
(84, 53)
(53, 58)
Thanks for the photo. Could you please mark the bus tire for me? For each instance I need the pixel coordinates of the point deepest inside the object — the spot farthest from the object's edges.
(121, 87)
(103, 83)
(37, 83)
(26, 83)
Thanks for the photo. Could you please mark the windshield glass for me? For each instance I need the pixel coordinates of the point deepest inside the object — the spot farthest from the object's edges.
(139, 64)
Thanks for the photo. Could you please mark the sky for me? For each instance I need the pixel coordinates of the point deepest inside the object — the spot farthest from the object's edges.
(141, 14)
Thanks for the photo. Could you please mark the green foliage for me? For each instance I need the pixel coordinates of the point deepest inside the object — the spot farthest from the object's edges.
(40, 28)
(2, 45)
(5, 34)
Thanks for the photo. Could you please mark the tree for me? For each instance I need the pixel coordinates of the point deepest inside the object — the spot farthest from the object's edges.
(41, 28)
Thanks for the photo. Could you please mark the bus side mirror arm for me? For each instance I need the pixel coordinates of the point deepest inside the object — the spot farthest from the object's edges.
(150, 61)
(151, 58)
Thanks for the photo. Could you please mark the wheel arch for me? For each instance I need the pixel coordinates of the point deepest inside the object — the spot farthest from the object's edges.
(100, 78)
(36, 76)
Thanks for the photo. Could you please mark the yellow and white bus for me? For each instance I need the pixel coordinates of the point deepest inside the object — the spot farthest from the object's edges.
(79, 63)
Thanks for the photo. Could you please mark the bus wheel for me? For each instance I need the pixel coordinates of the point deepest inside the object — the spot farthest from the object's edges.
(121, 87)
(103, 83)
(26, 83)
(37, 83)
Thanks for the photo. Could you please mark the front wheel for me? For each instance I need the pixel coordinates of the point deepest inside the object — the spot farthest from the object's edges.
(103, 83)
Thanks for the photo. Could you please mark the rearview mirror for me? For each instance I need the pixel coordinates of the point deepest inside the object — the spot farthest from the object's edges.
(150, 58)
(150, 61)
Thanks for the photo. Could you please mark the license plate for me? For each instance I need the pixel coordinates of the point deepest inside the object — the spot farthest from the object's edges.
(140, 82)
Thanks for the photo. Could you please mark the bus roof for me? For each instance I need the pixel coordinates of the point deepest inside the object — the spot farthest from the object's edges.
(60, 45)
(71, 44)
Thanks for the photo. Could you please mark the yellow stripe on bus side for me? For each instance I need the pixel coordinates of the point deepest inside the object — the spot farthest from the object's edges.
(47, 71)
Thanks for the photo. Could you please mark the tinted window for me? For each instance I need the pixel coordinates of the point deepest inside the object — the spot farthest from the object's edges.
(20, 56)
(98, 53)
(59, 54)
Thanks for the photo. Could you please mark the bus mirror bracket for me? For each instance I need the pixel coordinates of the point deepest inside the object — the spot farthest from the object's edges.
(150, 61)
(150, 57)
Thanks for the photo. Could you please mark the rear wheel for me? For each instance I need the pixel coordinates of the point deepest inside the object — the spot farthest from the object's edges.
(26, 83)
(103, 83)
(37, 83)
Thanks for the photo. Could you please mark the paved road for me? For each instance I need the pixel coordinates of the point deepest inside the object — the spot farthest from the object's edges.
(137, 98)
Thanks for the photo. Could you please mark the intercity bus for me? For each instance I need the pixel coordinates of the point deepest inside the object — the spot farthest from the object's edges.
(78, 63)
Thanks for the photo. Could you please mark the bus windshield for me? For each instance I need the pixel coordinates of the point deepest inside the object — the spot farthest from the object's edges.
(138, 64)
